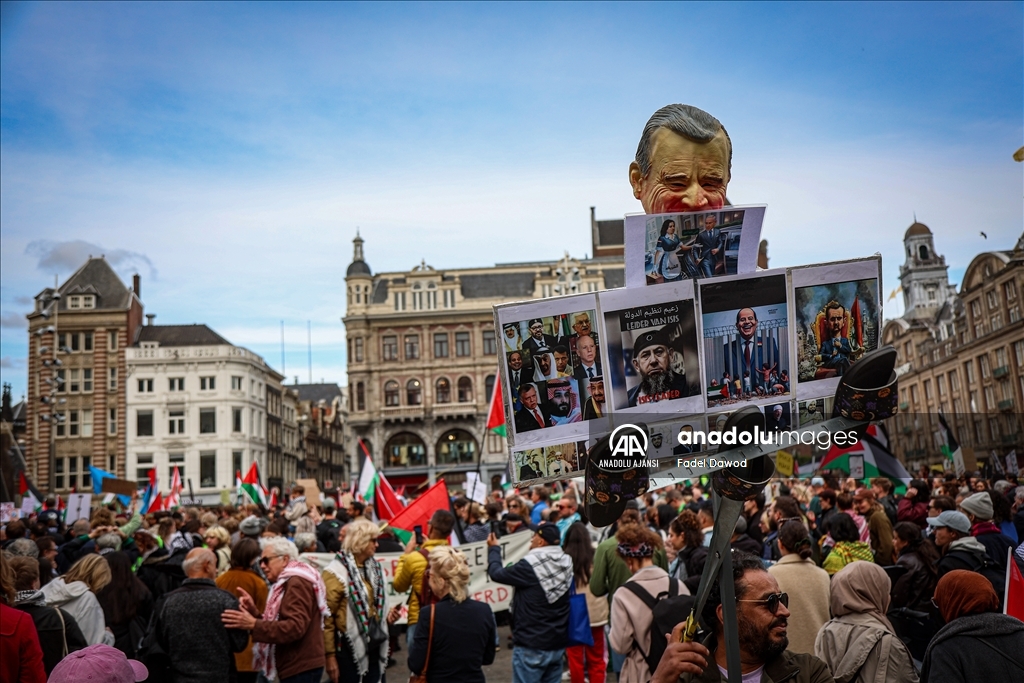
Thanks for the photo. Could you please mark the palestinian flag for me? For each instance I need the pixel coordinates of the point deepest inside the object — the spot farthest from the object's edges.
(238, 487)
(273, 498)
(496, 415)
(717, 391)
(27, 490)
(952, 446)
(252, 487)
(174, 497)
(419, 511)
(878, 462)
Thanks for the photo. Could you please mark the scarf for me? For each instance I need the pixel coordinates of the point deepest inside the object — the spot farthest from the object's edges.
(986, 527)
(553, 569)
(357, 614)
(960, 593)
(263, 654)
(861, 588)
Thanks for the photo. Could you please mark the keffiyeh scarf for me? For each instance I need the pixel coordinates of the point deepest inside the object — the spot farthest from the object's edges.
(553, 569)
(263, 654)
(357, 604)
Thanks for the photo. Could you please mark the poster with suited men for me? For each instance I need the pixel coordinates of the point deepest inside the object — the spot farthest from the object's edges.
(555, 461)
(684, 246)
(836, 313)
(651, 339)
(552, 370)
(745, 330)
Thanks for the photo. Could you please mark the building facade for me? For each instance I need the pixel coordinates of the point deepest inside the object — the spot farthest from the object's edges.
(961, 354)
(423, 356)
(198, 403)
(78, 337)
(322, 435)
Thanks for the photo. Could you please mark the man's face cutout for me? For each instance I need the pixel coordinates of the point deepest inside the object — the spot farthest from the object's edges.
(561, 401)
(836, 317)
(561, 360)
(537, 331)
(597, 392)
(709, 222)
(684, 175)
(510, 332)
(747, 323)
(515, 361)
(582, 324)
(544, 361)
(653, 360)
(586, 349)
(529, 398)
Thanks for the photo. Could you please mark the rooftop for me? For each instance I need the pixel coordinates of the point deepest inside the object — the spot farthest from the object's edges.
(180, 335)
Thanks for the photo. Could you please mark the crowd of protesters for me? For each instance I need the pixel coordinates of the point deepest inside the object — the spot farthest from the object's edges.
(834, 580)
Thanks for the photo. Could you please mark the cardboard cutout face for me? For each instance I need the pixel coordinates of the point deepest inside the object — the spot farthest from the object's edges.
(684, 175)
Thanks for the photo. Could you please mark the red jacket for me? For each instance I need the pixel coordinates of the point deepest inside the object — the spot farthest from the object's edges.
(21, 658)
(909, 511)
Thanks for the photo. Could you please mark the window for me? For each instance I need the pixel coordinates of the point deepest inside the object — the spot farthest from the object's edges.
(61, 380)
(449, 298)
(236, 383)
(207, 469)
(391, 393)
(1001, 356)
(954, 381)
(1018, 351)
(112, 379)
(176, 384)
(358, 349)
(176, 423)
(983, 364)
(990, 398)
(389, 347)
(236, 420)
(913, 393)
(974, 401)
(87, 423)
(72, 423)
(112, 340)
(399, 301)
(360, 396)
(252, 387)
(928, 389)
(993, 298)
(60, 419)
(75, 302)
(208, 383)
(414, 392)
(442, 391)
(76, 344)
(75, 385)
(112, 462)
(86, 476)
(456, 447)
(940, 383)
(405, 449)
(86, 379)
(462, 344)
(976, 307)
(87, 341)
(58, 473)
(489, 387)
(112, 421)
(207, 420)
(176, 461)
(441, 345)
(144, 462)
(1014, 314)
(495, 443)
(144, 423)
(145, 386)
(72, 472)
(412, 346)
(490, 345)
(969, 371)
(236, 461)
(465, 390)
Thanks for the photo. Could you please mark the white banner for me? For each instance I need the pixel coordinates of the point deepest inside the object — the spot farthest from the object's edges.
(79, 505)
(498, 596)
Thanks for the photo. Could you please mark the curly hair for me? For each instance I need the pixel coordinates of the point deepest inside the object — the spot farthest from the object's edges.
(688, 526)
(450, 564)
(359, 534)
(636, 535)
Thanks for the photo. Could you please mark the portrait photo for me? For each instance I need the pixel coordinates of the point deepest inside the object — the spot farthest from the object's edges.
(813, 411)
(745, 324)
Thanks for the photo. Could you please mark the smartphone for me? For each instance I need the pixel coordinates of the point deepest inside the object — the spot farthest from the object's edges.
(495, 527)
(418, 530)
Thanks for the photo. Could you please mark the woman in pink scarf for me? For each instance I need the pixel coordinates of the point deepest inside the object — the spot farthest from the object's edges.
(289, 635)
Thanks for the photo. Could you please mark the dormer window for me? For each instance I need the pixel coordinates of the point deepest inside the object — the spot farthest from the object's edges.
(88, 301)
(75, 302)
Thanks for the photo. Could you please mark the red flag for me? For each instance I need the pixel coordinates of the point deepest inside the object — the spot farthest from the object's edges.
(418, 512)
(22, 484)
(158, 503)
(496, 415)
(1014, 603)
(386, 502)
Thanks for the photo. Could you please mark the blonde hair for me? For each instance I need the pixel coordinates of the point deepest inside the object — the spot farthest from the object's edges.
(102, 517)
(360, 534)
(221, 534)
(208, 519)
(92, 570)
(7, 592)
(449, 564)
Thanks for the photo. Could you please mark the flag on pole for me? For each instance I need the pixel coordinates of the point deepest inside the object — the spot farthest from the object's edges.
(174, 497)
(952, 449)
(878, 461)
(496, 415)
(368, 477)
(27, 490)
(386, 502)
(238, 487)
(151, 494)
(419, 511)
(273, 498)
(252, 487)
(158, 503)
(1014, 591)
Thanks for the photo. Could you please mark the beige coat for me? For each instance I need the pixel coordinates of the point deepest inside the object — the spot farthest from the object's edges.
(808, 588)
(631, 620)
(597, 607)
(859, 649)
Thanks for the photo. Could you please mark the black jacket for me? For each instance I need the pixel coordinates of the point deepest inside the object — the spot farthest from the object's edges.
(162, 572)
(996, 544)
(52, 633)
(978, 647)
(915, 588)
(535, 623)
(463, 642)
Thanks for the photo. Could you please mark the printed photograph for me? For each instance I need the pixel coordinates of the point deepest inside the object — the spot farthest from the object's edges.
(529, 464)
(548, 462)
(813, 411)
(746, 340)
(836, 324)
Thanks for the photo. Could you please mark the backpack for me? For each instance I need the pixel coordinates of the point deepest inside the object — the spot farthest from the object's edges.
(427, 596)
(983, 564)
(668, 609)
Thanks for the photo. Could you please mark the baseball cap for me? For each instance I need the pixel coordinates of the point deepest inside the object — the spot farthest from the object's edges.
(98, 663)
(329, 503)
(957, 521)
(817, 481)
(549, 532)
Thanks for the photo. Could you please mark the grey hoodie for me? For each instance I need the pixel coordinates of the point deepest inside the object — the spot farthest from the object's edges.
(77, 600)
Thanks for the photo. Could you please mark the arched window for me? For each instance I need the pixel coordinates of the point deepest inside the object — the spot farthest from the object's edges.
(489, 387)
(360, 396)
(405, 450)
(456, 447)
(923, 252)
(414, 392)
(443, 391)
(465, 390)
(391, 394)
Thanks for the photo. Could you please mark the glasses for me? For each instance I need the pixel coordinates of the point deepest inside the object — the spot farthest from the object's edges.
(266, 560)
(772, 601)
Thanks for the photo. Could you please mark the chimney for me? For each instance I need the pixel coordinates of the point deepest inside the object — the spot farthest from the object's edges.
(149, 316)
(137, 285)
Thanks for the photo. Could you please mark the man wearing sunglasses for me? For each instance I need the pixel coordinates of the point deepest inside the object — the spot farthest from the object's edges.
(762, 620)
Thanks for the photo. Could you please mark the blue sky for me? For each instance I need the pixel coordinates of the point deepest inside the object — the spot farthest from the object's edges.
(229, 152)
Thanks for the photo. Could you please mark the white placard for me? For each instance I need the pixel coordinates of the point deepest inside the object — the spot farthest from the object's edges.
(1011, 463)
(475, 489)
(79, 505)
(856, 466)
(8, 511)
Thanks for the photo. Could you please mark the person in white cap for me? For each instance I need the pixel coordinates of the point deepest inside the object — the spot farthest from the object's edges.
(99, 663)
(960, 550)
(979, 511)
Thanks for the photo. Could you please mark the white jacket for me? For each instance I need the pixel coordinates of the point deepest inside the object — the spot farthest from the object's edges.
(77, 600)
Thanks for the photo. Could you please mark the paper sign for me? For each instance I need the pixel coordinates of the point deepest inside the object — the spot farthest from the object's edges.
(8, 511)
(225, 497)
(28, 505)
(122, 487)
(784, 463)
(79, 505)
(970, 459)
(1011, 463)
(856, 466)
(475, 489)
(958, 463)
(313, 494)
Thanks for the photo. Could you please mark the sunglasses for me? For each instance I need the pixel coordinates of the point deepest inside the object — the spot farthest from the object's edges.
(266, 560)
(772, 601)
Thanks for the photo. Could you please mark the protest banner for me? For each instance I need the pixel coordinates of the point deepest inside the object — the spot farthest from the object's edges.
(313, 496)
(496, 595)
(122, 487)
(8, 511)
(79, 505)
